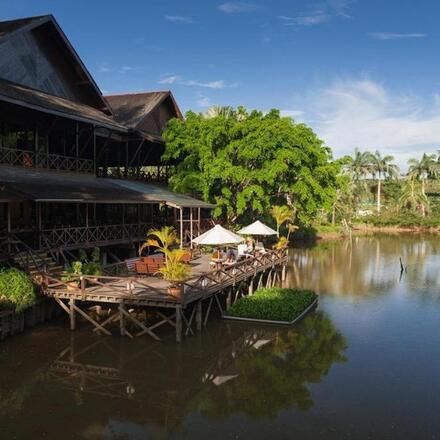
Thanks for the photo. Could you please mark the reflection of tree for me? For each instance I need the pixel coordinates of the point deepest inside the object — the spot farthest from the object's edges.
(275, 376)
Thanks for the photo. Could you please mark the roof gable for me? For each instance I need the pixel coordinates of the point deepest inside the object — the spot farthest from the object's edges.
(146, 111)
(36, 53)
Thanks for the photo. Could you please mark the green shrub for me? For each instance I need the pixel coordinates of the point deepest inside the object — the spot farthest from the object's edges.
(273, 304)
(16, 290)
(403, 220)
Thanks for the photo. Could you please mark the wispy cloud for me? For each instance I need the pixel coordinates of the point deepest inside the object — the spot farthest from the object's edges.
(105, 68)
(179, 19)
(203, 101)
(294, 114)
(319, 13)
(177, 79)
(395, 36)
(169, 79)
(237, 7)
(400, 124)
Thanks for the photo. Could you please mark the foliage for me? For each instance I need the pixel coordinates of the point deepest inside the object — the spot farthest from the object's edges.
(162, 239)
(246, 162)
(174, 270)
(403, 220)
(274, 303)
(282, 243)
(16, 289)
(281, 215)
(85, 265)
(413, 196)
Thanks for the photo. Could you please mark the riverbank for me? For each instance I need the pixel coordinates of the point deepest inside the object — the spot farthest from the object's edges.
(362, 229)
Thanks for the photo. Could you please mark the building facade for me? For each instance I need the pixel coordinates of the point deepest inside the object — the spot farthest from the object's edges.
(79, 169)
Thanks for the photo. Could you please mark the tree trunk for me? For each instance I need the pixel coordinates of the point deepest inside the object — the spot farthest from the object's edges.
(378, 194)
(333, 214)
(423, 192)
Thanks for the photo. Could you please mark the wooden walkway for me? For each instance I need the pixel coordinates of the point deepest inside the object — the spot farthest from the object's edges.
(140, 305)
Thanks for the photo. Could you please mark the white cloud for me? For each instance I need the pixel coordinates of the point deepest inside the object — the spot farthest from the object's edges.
(365, 114)
(179, 19)
(319, 13)
(125, 69)
(169, 79)
(176, 79)
(203, 101)
(394, 36)
(104, 68)
(219, 84)
(294, 114)
(237, 7)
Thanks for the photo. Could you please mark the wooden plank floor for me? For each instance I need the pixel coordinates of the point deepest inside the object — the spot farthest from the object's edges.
(153, 290)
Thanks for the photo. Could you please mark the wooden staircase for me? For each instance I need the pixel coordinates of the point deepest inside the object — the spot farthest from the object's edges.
(37, 262)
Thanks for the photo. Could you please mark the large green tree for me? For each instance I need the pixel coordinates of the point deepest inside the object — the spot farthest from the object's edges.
(246, 162)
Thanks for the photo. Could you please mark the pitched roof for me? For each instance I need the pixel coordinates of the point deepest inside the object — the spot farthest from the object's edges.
(131, 109)
(7, 28)
(42, 101)
(10, 26)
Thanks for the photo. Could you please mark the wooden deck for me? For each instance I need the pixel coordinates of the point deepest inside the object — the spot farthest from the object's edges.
(137, 298)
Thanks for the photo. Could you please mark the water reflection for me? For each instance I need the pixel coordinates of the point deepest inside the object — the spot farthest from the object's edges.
(111, 386)
(366, 265)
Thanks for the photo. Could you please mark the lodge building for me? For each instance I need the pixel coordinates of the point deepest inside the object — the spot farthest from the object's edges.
(79, 169)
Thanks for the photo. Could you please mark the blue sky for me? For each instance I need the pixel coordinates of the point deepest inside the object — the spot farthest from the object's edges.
(362, 73)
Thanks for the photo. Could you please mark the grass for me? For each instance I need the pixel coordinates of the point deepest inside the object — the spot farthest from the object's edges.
(274, 304)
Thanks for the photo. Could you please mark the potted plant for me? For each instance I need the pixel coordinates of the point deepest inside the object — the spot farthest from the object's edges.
(92, 266)
(175, 272)
(71, 275)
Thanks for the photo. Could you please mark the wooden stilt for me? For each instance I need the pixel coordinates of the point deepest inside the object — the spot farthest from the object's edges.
(229, 298)
(199, 316)
(283, 273)
(72, 314)
(251, 287)
(179, 324)
(121, 318)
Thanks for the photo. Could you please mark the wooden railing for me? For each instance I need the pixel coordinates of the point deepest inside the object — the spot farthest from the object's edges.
(31, 159)
(138, 290)
(64, 238)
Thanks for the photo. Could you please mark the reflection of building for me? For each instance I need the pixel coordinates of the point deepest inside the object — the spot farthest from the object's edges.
(78, 169)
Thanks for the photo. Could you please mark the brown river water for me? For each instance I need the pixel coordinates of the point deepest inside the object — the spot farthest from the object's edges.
(364, 365)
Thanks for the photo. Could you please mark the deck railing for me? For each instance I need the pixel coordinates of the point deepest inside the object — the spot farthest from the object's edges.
(31, 159)
(72, 237)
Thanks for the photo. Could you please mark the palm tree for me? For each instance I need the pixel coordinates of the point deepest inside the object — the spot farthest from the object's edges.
(359, 165)
(162, 239)
(423, 169)
(281, 214)
(382, 168)
(413, 196)
(217, 110)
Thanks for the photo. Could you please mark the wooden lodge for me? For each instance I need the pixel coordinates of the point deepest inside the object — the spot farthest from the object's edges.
(81, 170)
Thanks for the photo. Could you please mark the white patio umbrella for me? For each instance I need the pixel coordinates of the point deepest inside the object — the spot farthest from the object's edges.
(218, 236)
(257, 228)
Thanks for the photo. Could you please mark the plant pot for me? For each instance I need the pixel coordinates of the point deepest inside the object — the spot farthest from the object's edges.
(176, 292)
(72, 285)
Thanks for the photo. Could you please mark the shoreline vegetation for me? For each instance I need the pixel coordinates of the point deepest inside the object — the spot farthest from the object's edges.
(247, 161)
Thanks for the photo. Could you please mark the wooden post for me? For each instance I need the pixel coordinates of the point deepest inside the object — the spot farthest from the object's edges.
(191, 225)
(229, 298)
(251, 286)
(181, 228)
(198, 221)
(199, 316)
(72, 314)
(178, 324)
(121, 318)
(283, 273)
(94, 150)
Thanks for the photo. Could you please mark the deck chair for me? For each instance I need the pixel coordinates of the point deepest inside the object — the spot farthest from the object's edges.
(131, 262)
(242, 252)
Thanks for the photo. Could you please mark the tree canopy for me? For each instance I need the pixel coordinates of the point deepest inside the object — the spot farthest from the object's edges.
(246, 162)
